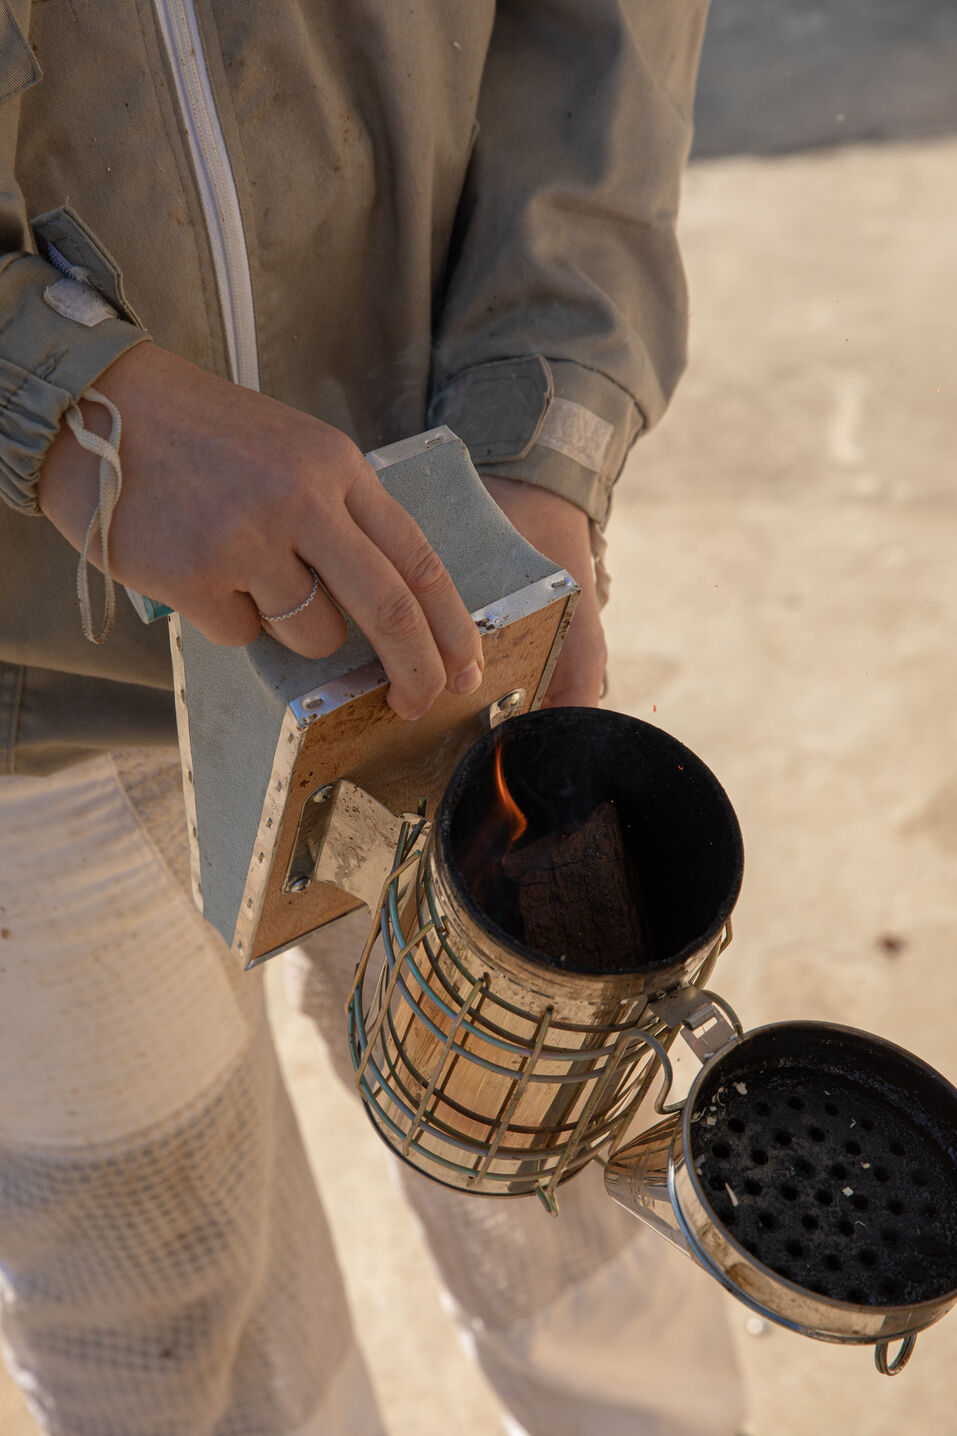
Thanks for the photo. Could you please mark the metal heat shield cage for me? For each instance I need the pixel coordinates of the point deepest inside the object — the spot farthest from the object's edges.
(261, 730)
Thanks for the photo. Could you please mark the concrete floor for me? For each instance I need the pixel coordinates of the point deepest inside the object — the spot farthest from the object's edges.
(785, 602)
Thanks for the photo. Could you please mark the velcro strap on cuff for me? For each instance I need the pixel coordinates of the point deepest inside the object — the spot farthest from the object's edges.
(550, 422)
(497, 409)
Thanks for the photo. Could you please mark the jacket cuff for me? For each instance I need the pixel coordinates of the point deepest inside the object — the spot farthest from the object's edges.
(57, 338)
(548, 422)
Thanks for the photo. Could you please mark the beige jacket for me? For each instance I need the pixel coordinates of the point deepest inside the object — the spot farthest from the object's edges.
(389, 214)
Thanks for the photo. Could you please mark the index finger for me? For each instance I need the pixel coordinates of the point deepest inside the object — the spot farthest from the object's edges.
(396, 534)
(364, 582)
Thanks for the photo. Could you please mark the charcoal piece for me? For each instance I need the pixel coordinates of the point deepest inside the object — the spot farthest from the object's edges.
(579, 899)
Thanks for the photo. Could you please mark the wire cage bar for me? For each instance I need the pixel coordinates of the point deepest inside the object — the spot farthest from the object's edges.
(473, 1081)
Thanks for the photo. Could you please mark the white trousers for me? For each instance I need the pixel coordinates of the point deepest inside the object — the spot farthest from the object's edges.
(165, 1265)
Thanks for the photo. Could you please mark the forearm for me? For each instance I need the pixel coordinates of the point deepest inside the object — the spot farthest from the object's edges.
(562, 531)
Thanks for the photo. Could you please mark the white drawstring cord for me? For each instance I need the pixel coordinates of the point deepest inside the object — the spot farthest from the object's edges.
(111, 485)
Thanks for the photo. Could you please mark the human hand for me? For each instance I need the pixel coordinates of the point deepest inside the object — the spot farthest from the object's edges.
(562, 532)
(230, 497)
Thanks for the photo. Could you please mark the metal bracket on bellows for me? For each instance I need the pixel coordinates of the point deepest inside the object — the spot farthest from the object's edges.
(506, 707)
(347, 838)
(706, 1021)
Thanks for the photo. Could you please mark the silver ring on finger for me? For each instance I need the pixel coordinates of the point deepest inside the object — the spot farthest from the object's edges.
(291, 612)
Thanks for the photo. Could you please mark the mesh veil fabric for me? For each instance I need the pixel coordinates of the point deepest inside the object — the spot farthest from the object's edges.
(165, 1266)
(153, 784)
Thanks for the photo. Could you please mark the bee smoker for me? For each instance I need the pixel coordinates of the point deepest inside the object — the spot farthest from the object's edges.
(812, 1169)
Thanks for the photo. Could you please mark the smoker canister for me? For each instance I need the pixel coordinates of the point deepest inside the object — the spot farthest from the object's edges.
(487, 1064)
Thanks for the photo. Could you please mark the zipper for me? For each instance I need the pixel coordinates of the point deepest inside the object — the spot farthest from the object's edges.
(215, 182)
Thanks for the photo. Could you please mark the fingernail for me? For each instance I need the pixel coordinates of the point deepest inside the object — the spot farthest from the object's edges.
(469, 680)
(401, 710)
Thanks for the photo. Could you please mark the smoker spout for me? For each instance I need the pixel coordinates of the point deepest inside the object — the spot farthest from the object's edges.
(636, 1177)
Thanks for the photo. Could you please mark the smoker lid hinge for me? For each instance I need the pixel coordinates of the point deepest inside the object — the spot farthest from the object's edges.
(508, 706)
(707, 1024)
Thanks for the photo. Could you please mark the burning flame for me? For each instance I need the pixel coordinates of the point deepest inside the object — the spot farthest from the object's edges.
(517, 820)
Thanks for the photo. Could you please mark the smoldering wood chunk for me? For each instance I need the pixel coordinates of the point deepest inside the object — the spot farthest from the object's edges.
(579, 897)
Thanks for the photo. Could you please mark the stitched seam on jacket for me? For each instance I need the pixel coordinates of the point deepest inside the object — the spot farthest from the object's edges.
(551, 360)
(154, 60)
(223, 98)
(590, 369)
(16, 42)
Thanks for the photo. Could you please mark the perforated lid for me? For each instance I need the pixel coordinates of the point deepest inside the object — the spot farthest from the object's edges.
(829, 1156)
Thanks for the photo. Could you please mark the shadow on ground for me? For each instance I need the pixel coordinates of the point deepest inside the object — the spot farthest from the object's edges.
(785, 75)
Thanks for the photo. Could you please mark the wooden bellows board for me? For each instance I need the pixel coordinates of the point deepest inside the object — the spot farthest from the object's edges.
(262, 729)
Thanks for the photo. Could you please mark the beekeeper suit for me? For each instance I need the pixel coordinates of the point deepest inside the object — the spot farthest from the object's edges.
(241, 244)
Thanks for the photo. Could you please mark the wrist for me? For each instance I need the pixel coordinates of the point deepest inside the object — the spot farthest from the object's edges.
(556, 526)
(67, 479)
